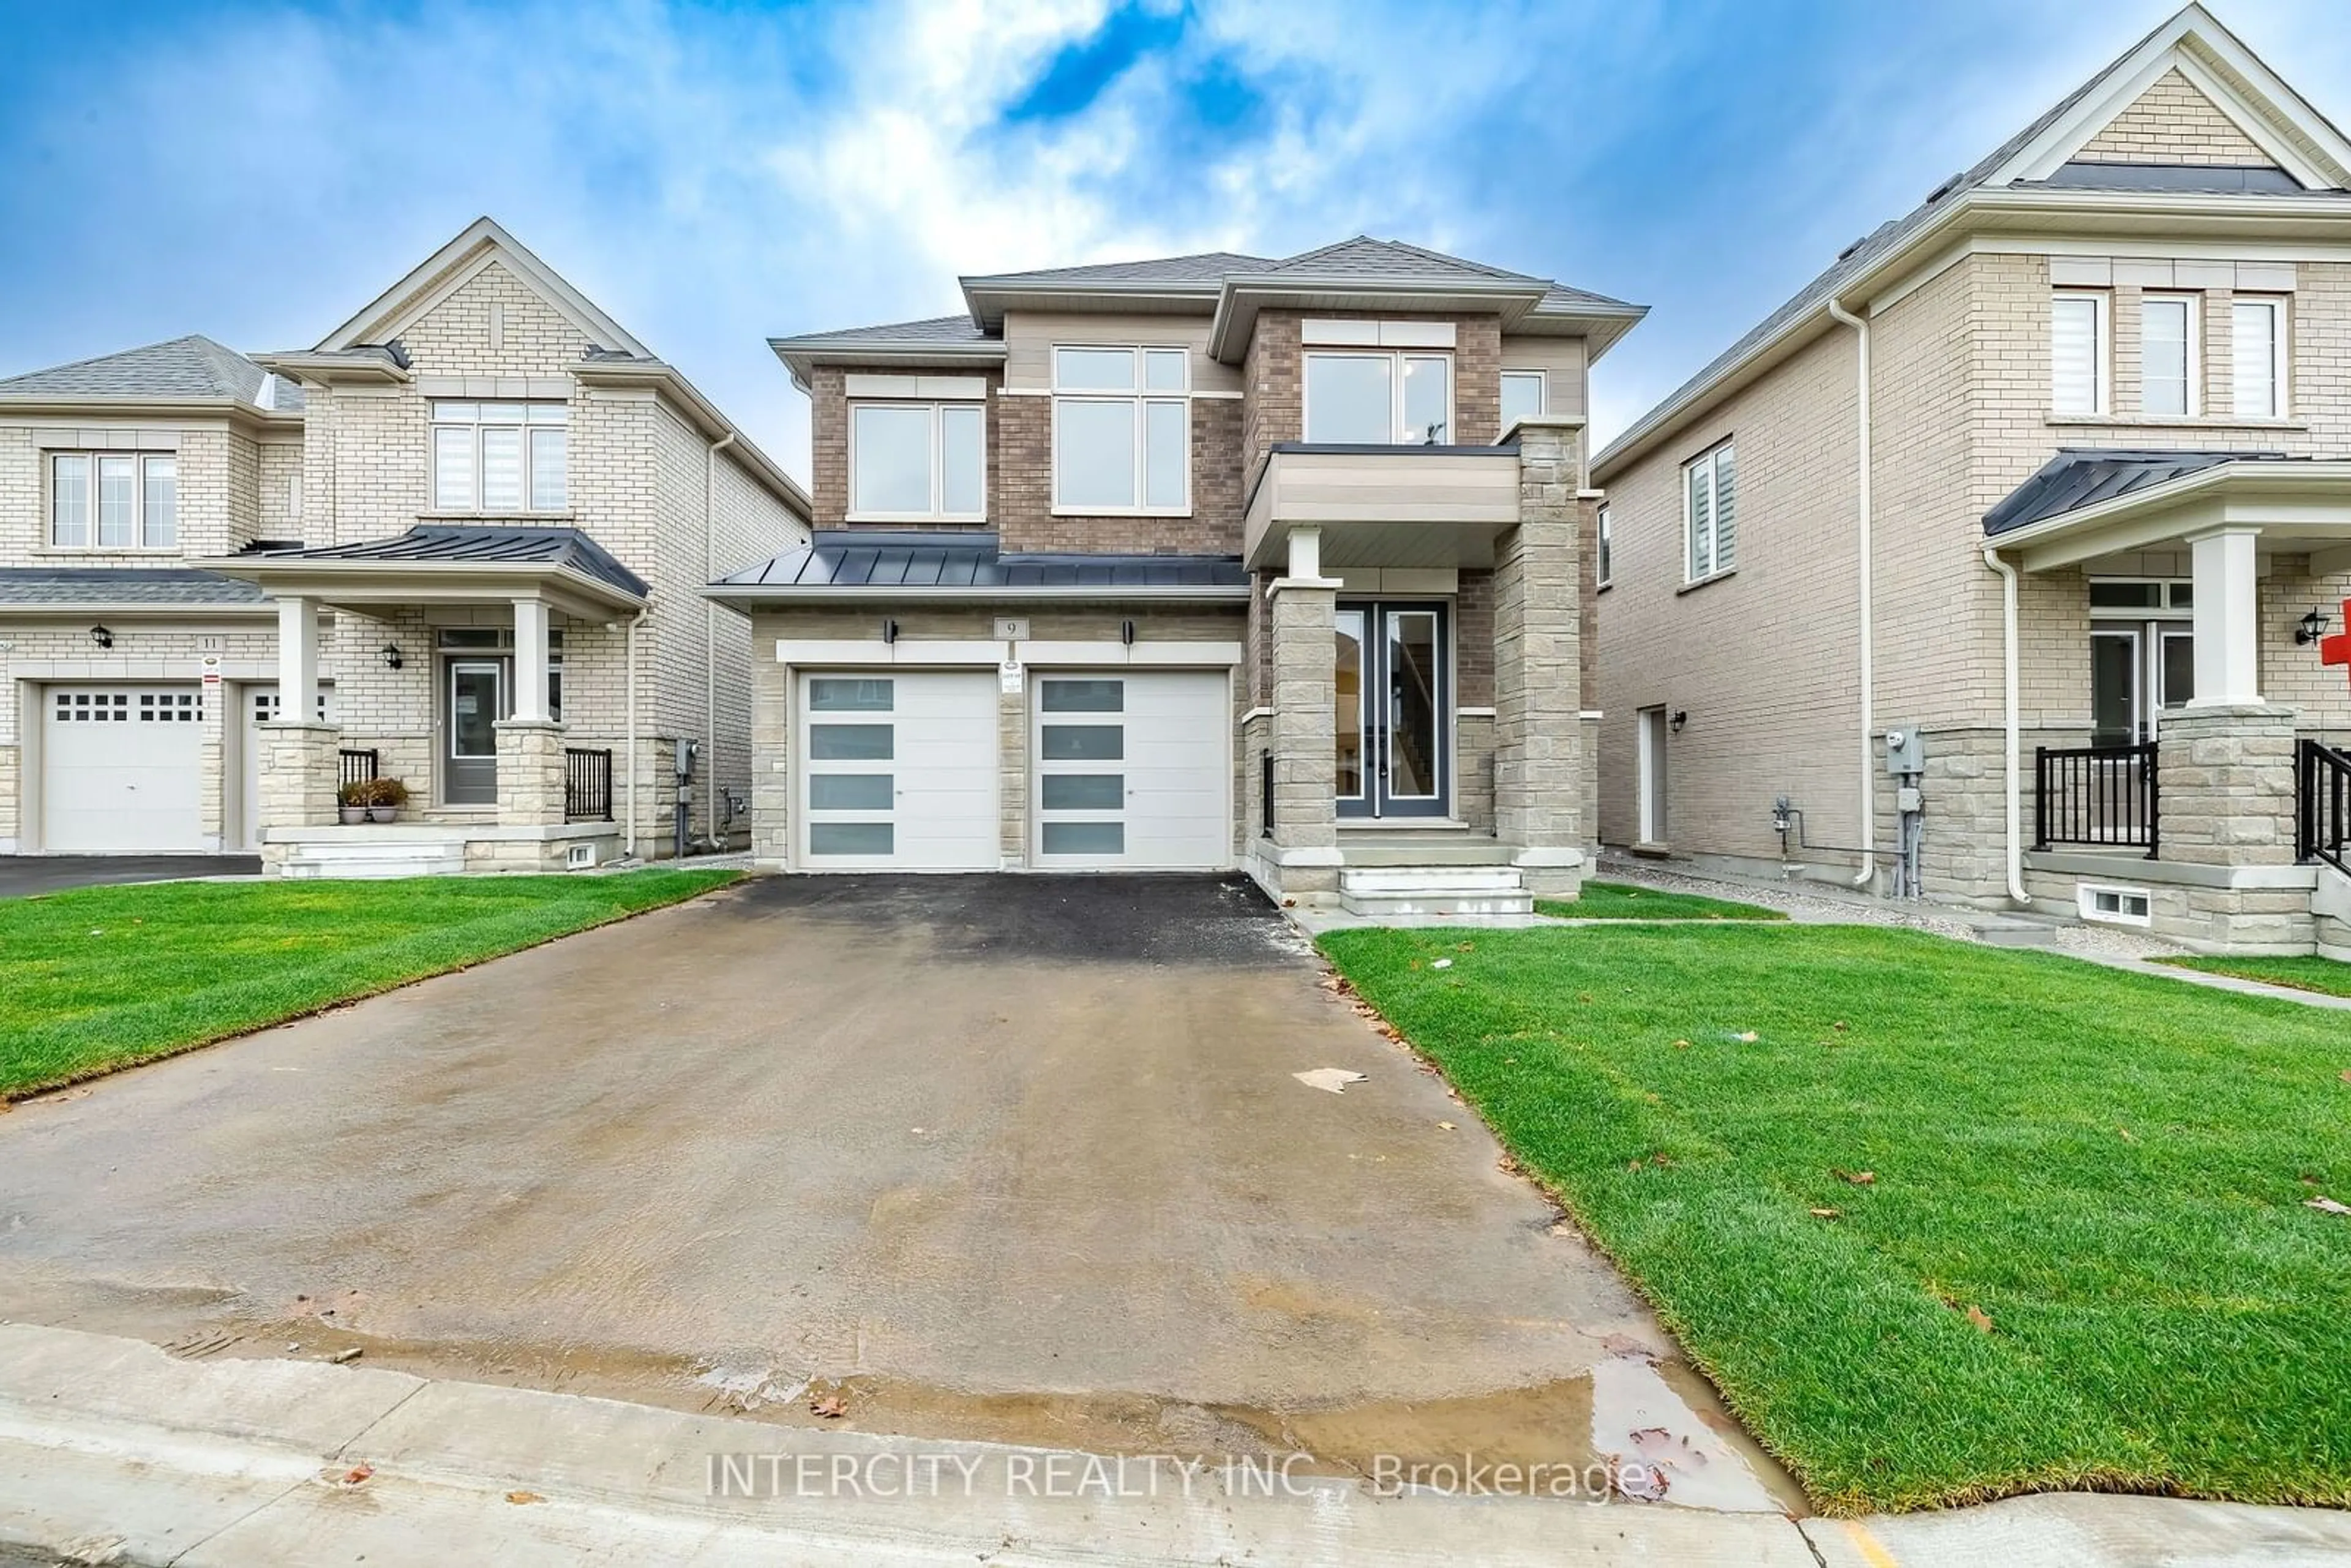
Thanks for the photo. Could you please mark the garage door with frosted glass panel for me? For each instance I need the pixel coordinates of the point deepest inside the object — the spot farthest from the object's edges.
(122, 769)
(1133, 772)
(898, 772)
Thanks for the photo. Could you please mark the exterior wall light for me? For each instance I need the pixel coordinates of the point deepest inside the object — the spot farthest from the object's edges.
(2311, 627)
(1681, 717)
(101, 636)
(391, 660)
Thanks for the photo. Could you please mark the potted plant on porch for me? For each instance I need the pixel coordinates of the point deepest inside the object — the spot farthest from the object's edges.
(384, 799)
(352, 800)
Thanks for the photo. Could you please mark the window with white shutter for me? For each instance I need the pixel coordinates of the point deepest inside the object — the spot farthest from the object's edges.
(2166, 356)
(2258, 354)
(1710, 513)
(2078, 353)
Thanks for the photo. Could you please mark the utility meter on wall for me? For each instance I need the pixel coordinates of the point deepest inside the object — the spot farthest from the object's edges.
(1906, 750)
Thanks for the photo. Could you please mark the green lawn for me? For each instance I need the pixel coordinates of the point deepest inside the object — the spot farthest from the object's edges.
(2305, 972)
(2110, 1168)
(101, 977)
(1619, 901)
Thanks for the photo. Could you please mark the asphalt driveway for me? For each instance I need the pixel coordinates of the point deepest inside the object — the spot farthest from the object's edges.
(1016, 1157)
(21, 874)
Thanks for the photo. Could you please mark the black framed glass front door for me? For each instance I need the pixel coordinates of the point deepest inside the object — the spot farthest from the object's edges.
(476, 700)
(1394, 709)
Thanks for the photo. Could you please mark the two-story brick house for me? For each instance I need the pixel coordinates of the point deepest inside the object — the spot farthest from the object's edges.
(2047, 476)
(459, 542)
(1202, 562)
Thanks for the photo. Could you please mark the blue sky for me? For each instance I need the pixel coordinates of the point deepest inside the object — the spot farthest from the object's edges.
(713, 174)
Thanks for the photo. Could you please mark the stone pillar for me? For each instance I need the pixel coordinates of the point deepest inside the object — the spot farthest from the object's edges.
(2228, 622)
(301, 771)
(1303, 731)
(530, 773)
(2225, 797)
(1539, 740)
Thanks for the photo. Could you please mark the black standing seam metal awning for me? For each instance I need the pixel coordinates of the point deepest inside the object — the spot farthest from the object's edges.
(2083, 477)
(470, 544)
(848, 557)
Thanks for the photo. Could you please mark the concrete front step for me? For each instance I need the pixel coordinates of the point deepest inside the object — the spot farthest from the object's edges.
(1432, 890)
(1434, 849)
(375, 858)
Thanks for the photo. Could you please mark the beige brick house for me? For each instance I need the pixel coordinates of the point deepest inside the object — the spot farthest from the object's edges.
(1197, 563)
(2047, 477)
(459, 543)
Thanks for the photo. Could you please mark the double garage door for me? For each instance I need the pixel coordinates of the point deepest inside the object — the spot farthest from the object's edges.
(121, 769)
(1127, 771)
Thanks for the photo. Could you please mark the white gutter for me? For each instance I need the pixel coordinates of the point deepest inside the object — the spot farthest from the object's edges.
(634, 621)
(1868, 780)
(2015, 793)
(710, 637)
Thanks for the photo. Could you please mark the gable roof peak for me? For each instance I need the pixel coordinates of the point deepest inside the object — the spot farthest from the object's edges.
(477, 245)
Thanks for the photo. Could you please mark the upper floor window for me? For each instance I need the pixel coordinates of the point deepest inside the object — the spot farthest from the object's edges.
(106, 500)
(499, 457)
(2077, 352)
(1379, 398)
(2259, 357)
(1523, 396)
(2167, 355)
(1599, 563)
(1710, 513)
(1121, 429)
(916, 460)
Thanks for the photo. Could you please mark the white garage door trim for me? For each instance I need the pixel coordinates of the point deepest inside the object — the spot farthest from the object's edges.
(898, 772)
(122, 770)
(1133, 770)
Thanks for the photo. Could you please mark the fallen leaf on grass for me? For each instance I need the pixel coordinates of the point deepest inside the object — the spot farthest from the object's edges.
(1446, 1126)
(1681, 1045)
(831, 1407)
(1858, 1178)
(524, 1497)
(1981, 1318)
(1465, 947)
(1840, 1026)
(2347, 1075)
(2327, 1205)
(2128, 1137)
(1828, 1213)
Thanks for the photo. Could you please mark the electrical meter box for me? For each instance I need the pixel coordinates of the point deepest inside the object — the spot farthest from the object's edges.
(1906, 750)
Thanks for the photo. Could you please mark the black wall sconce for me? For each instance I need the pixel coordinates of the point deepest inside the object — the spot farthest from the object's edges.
(391, 655)
(101, 636)
(888, 631)
(2311, 627)
(1126, 632)
(1681, 717)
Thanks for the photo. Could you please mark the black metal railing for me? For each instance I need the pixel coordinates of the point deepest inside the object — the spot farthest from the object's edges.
(2100, 795)
(2322, 800)
(1265, 794)
(359, 766)
(587, 786)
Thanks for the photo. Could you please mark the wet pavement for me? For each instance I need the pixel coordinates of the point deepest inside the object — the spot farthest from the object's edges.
(23, 874)
(1018, 1158)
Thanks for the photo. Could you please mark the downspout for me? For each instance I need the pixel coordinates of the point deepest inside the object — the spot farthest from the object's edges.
(634, 621)
(710, 642)
(2016, 801)
(1868, 779)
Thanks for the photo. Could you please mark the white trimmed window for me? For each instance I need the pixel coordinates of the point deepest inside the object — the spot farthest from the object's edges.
(1710, 513)
(2077, 352)
(2258, 327)
(916, 461)
(114, 500)
(1374, 399)
(499, 458)
(1599, 563)
(2166, 356)
(1523, 396)
(1121, 429)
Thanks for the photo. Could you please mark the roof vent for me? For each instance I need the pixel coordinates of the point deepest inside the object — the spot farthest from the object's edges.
(1945, 189)
(1854, 247)
(399, 352)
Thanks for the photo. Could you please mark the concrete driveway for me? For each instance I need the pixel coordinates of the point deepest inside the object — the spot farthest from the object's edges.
(21, 874)
(1010, 1157)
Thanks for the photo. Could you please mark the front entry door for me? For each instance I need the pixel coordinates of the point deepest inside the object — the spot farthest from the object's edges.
(1394, 710)
(476, 701)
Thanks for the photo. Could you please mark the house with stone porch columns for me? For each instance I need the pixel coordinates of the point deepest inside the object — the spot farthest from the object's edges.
(458, 542)
(1201, 562)
(1994, 565)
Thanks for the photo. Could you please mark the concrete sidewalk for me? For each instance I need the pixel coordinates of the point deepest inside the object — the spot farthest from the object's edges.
(111, 1450)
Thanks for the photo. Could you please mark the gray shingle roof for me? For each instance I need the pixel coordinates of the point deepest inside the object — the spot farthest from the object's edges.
(1207, 266)
(2081, 477)
(123, 585)
(463, 544)
(2206, 179)
(189, 367)
(1363, 257)
(849, 558)
(932, 329)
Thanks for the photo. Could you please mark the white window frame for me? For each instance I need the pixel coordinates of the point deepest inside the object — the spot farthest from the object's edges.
(1141, 398)
(1397, 434)
(1542, 388)
(1602, 567)
(2277, 305)
(2089, 895)
(440, 417)
(141, 462)
(2102, 379)
(2192, 325)
(938, 425)
(1709, 462)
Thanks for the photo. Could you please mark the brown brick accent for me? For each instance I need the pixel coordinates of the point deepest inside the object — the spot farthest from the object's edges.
(829, 440)
(1473, 640)
(1021, 497)
(1272, 377)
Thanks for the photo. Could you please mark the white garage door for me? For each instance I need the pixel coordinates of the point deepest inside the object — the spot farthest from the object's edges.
(898, 772)
(1134, 771)
(122, 769)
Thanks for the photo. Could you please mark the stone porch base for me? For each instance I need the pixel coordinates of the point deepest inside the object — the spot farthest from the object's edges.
(434, 849)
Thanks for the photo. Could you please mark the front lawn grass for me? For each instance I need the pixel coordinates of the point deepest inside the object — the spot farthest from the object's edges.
(2302, 972)
(1620, 901)
(99, 978)
(2110, 1168)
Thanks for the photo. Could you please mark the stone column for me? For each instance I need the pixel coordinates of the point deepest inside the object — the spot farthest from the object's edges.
(2227, 619)
(530, 773)
(2225, 797)
(530, 629)
(1304, 728)
(300, 771)
(297, 657)
(1539, 740)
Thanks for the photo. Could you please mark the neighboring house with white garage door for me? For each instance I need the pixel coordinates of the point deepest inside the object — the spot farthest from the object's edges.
(1191, 564)
(468, 528)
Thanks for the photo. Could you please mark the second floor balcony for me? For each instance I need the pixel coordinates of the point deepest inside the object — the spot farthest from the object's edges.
(1383, 506)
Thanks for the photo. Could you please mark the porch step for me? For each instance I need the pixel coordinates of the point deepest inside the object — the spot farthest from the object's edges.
(1434, 890)
(1455, 847)
(375, 858)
